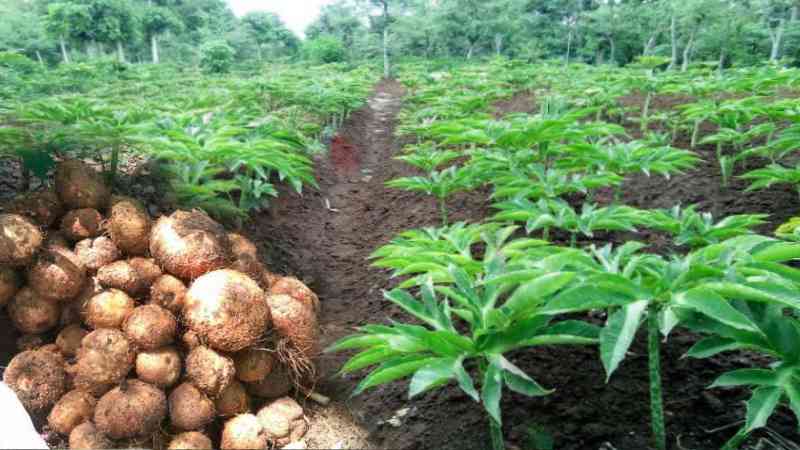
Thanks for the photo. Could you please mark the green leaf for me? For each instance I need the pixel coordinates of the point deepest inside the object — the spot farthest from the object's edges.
(518, 381)
(792, 389)
(355, 341)
(367, 358)
(584, 298)
(531, 294)
(618, 334)
(393, 370)
(408, 303)
(778, 252)
(708, 302)
(464, 380)
(37, 162)
(711, 346)
(435, 374)
(492, 391)
(761, 406)
(746, 377)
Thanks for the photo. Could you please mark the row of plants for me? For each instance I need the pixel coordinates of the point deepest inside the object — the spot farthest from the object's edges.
(221, 142)
(522, 277)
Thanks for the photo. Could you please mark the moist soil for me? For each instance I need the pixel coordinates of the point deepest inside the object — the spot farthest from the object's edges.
(325, 236)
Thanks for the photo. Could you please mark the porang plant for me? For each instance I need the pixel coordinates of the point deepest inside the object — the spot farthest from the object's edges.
(464, 332)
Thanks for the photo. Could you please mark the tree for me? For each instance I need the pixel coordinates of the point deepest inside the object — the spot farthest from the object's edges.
(23, 30)
(157, 20)
(382, 25)
(342, 20)
(67, 20)
(267, 30)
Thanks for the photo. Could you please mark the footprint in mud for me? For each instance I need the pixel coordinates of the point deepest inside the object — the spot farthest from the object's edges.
(344, 156)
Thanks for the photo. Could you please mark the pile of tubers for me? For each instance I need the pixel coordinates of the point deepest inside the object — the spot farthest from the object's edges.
(135, 331)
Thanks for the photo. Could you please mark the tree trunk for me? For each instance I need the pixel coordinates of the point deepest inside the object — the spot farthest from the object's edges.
(776, 36)
(386, 68)
(569, 46)
(498, 44)
(648, 46)
(92, 50)
(613, 56)
(721, 63)
(63, 45)
(120, 52)
(673, 29)
(39, 57)
(154, 49)
(260, 53)
(687, 53)
(470, 50)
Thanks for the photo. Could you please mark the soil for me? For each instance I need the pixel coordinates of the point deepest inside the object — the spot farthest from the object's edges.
(326, 236)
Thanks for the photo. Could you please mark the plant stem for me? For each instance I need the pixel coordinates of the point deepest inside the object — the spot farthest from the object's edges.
(443, 209)
(736, 441)
(496, 431)
(112, 172)
(646, 111)
(654, 360)
(573, 239)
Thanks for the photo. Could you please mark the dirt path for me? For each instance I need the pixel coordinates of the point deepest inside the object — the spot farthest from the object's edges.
(325, 237)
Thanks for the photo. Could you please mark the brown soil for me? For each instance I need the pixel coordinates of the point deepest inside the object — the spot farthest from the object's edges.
(325, 237)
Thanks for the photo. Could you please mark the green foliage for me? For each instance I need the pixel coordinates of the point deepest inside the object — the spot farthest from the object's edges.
(216, 57)
(438, 353)
(324, 50)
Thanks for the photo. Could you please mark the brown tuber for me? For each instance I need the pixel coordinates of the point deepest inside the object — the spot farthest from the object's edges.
(168, 292)
(189, 408)
(20, 239)
(133, 409)
(283, 421)
(191, 440)
(38, 378)
(209, 371)
(43, 207)
(9, 285)
(78, 185)
(108, 309)
(32, 314)
(73, 409)
(227, 309)
(160, 367)
(69, 340)
(57, 275)
(129, 225)
(150, 327)
(277, 384)
(104, 359)
(86, 436)
(295, 288)
(233, 400)
(96, 253)
(80, 224)
(253, 364)
(189, 244)
(296, 322)
(243, 432)
(134, 276)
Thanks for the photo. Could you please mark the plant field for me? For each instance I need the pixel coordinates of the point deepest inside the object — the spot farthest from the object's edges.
(506, 254)
(547, 228)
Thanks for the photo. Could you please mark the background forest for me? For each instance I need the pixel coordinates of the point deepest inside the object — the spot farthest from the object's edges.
(734, 32)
